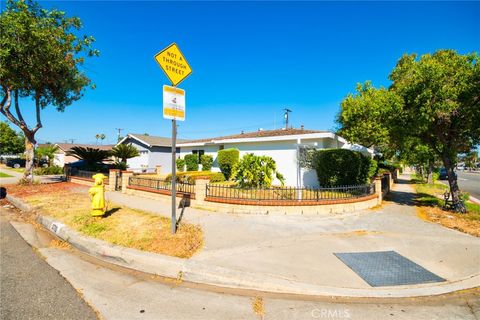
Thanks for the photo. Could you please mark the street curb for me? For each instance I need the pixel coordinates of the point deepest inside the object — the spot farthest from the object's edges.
(20, 204)
(474, 200)
(201, 273)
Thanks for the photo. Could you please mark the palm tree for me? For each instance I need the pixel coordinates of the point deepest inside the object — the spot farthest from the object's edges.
(89, 155)
(100, 136)
(48, 152)
(124, 152)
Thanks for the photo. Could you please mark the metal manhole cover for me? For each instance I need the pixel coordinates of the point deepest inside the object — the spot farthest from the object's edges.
(386, 268)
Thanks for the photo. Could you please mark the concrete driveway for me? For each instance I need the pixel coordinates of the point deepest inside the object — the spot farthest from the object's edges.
(301, 248)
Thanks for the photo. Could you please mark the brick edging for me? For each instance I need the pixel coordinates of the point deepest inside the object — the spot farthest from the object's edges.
(164, 192)
(289, 202)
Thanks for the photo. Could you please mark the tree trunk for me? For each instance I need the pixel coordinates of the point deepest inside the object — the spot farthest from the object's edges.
(29, 157)
(458, 205)
(430, 172)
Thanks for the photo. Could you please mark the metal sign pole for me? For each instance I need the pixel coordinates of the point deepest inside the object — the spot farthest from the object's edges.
(174, 176)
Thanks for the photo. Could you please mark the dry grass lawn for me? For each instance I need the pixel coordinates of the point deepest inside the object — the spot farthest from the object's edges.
(122, 226)
(429, 208)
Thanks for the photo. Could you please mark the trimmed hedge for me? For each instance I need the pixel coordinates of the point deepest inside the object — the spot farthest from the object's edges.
(192, 176)
(206, 160)
(191, 162)
(180, 163)
(337, 167)
(227, 158)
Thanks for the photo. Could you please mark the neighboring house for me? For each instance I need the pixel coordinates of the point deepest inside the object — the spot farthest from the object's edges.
(153, 151)
(61, 157)
(282, 145)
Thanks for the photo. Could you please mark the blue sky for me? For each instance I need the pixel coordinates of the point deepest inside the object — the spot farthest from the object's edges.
(249, 61)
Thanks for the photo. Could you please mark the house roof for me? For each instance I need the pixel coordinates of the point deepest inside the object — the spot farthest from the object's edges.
(150, 140)
(259, 134)
(67, 146)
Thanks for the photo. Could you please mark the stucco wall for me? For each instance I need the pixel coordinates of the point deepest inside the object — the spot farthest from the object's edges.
(283, 152)
(150, 157)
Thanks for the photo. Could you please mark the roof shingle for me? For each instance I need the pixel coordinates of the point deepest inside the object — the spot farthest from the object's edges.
(259, 134)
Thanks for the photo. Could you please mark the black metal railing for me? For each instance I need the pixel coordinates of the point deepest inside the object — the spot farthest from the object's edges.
(160, 184)
(289, 193)
(73, 172)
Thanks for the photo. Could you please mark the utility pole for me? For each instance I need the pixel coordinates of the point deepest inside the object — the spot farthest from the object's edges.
(174, 176)
(287, 111)
(119, 133)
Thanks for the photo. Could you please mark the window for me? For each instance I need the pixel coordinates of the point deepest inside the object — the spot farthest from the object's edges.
(199, 153)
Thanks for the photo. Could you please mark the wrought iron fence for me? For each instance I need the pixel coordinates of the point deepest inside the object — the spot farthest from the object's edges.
(289, 193)
(160, 184)
(82, 173)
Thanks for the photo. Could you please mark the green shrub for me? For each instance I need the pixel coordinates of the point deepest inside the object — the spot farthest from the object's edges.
(48, 170)
(191, 162)
(336, 167)
(180, 164)
(217, 177)
(119, 165)
(206, 160)
(382, 171)
(256, 172)
(227, 158)
(192, 176)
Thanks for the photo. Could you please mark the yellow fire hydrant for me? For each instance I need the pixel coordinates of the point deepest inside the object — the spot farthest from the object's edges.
(97, 195)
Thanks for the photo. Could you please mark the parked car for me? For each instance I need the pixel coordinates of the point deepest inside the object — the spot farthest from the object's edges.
(443, 174)
(18, 163)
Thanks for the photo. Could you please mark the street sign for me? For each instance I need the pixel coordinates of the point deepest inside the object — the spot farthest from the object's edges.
(176, 67)
(173, 103)
(173, 63)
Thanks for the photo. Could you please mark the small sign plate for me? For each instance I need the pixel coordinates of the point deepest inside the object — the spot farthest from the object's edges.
(173, 103)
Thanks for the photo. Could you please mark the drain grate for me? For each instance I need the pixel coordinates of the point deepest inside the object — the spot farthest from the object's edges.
(387, 268)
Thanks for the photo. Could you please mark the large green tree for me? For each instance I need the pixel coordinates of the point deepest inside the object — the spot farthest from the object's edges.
(364, 118)
(11, 142)
(441, 105)
(40, 58)
(431, 111)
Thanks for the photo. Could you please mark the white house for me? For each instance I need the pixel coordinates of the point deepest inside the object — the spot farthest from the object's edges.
(282, 145)
(153, 151)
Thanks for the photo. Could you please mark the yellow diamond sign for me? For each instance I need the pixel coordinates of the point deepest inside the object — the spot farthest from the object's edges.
(173, 63)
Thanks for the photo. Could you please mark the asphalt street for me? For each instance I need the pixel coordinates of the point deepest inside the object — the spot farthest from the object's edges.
(30, 288)
(468, 182)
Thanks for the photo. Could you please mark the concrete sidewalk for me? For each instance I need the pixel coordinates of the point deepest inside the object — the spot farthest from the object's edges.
(16, 176)
(300, 248)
